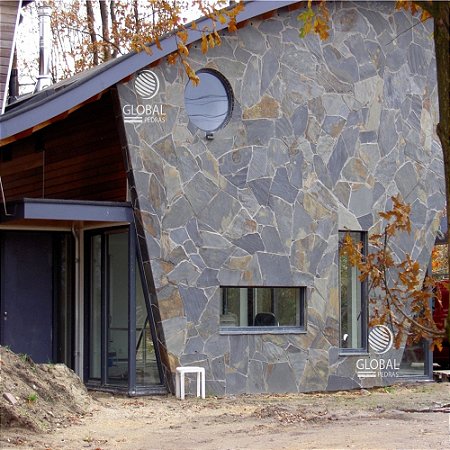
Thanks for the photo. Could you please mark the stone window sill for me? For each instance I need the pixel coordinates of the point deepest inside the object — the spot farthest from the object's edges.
(353, 353)
(261, 330)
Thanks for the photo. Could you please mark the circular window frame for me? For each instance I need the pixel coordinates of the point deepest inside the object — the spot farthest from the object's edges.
(228, 91)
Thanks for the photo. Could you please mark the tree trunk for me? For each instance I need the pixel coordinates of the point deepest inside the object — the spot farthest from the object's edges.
(114, 28)
(105, 30)
(441, 13)
(90, 20)
(136, 16)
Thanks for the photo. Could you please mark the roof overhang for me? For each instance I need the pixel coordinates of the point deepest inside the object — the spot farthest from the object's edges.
(53, 103)
(67, 210)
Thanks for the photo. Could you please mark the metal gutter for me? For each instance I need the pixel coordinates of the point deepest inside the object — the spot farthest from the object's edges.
(33, 114)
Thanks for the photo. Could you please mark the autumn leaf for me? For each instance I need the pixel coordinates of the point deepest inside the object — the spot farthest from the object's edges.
(232, 25)
(321, 28)
(204, 44)
(190, 73)
(172, 58)
(183, 50)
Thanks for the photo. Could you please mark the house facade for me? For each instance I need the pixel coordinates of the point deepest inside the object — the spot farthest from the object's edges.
(201, 225)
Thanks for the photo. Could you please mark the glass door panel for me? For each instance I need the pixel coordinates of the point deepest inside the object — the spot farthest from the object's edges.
(95, 313)
(110, 357)
(117, 303)
(146, 363)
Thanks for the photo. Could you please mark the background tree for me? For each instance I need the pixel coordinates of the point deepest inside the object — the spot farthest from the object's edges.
(89, 32)
(398, 294)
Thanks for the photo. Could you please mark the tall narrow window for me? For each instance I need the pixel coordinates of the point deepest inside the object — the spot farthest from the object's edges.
(263, 307)
(353, 299)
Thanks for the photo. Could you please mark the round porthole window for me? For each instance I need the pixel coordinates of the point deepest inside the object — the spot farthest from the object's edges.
(209, 104)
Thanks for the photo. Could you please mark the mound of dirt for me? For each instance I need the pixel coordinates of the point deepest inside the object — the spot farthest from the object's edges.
(40, 397)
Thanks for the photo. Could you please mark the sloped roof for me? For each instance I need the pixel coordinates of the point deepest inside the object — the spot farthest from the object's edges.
(31, 113)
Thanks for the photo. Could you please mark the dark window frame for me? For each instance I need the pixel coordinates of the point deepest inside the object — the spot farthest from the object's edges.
(271, 329)
(364, 301)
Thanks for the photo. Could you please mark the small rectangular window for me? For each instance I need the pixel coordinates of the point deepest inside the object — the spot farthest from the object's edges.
(353, 303)
(263, 307)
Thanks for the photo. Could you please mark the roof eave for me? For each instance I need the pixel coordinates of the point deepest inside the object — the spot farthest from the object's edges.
(30, 117)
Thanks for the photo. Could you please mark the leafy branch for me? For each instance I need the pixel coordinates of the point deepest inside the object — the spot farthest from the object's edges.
(398, 290)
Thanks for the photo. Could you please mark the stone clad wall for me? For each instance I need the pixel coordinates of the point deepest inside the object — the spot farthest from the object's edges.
(322, 134)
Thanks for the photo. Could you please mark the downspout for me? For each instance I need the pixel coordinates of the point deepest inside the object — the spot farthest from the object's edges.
(45, 47)
(78, 328)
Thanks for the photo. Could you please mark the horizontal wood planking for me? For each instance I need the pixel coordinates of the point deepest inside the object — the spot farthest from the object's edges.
(79, 158)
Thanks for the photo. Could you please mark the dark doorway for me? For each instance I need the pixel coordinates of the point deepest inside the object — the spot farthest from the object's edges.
(36, 294)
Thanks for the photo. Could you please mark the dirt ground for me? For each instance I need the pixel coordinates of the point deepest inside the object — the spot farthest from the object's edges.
(404, 416)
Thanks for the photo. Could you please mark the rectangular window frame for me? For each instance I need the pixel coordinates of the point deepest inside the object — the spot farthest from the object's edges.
(363, 349)
(277, 329)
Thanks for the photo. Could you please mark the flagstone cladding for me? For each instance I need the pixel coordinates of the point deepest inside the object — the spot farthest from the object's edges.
(322, 134)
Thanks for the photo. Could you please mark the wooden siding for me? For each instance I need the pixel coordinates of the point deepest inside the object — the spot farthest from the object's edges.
(8, 18)
(79, 158)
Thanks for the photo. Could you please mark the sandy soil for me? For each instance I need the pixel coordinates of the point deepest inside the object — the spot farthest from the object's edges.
(404, 416)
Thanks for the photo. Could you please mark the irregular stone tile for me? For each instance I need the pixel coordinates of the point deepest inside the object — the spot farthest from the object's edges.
(283, 215)
(376, 56)
(170, 303)
(387, 136)
(214, 257)
(177, 255)
(255, 380)
(406, 180)
(378, 22)
(199, 192)
(177, 214)
(337, 160)
(270, 66)
(301, 62)
(208, 278)
(280, 378)
(194, 345)
(220, 212)
(300, 120)
(259, 131)
(185, 273)
(229, 277)
(165, 147)
(271, 240)
(243, 224)
(345, 69)
(281, 186)
(194, 302)
(187, 164)
(350, 20)
(361, 201)
(251, 243)
(333, 125)
(260, 188)
(330, 82)
(275, 269)
(258, 164)
(251, 81)
(355, 170)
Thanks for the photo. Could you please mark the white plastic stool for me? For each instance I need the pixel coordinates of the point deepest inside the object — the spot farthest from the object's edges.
(179, 380)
